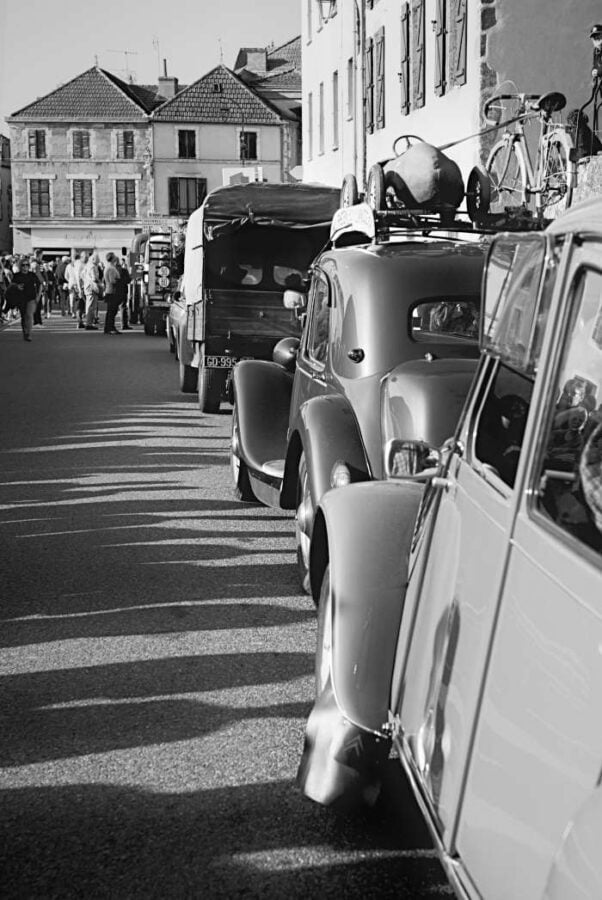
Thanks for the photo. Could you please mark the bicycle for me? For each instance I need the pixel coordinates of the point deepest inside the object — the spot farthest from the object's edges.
(514, 181)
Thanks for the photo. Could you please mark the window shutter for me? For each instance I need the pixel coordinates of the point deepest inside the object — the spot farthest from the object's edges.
(201, 190)
(440, 48)
(130, 201)
(379, 46)
(404, 74)
(85, 144)
(121, 144)
(418, 54)
(174, 198)
(457, 54)
(128, 144)
(369, 95)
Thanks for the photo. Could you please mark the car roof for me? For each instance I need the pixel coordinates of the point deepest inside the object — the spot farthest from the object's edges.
(585, 216)
(408, 252)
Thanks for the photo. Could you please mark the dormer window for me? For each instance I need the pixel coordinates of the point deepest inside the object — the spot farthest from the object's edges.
(37, 143)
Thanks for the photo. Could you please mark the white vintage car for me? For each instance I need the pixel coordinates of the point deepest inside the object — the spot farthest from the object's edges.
(461, 606)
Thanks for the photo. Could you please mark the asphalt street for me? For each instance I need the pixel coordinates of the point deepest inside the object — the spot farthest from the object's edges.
(157, 656)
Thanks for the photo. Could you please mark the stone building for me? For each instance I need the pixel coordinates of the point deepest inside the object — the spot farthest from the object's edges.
(377, 69)
(82, 165)
(6, 235)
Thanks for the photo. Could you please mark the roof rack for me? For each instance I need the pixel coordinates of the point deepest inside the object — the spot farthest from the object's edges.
(360, 222)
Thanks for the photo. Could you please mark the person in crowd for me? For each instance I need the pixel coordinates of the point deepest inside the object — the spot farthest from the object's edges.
(49, 268)
(71, 286)
(124, 288)
(92, 289)
(112, 293)
(5, 280)
(62, 288)
(29, 289)
(80, 266)
(34, 268)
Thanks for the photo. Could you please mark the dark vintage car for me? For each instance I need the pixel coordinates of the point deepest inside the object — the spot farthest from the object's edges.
(378, 300)
(244, 246)
(460, 598)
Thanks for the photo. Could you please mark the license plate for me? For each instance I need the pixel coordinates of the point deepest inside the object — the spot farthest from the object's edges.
(220, 362)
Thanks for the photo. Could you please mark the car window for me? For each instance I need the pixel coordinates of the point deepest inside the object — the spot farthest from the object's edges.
(319, 319)
(570, 476)
(500, 426)
(456, 317)
(288, 276)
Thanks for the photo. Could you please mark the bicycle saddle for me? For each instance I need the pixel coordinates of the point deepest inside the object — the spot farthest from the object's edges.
(551, 102)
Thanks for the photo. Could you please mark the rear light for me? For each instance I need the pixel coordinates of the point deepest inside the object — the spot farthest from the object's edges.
(340, 476)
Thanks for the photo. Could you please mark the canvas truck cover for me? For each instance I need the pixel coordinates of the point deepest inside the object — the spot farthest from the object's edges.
(229, 208)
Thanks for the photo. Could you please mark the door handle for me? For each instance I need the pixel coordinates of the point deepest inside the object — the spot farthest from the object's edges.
(444, 484)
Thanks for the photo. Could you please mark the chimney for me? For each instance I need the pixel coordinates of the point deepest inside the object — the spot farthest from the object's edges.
(257, 61)
(168, 84)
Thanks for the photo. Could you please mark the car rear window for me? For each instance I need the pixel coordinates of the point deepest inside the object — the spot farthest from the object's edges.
(443, 319)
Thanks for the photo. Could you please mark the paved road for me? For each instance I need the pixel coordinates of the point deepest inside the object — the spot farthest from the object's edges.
(156, 655)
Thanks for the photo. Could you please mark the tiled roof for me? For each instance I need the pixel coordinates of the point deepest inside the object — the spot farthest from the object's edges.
(95, 94)
(288, 56)
(200, 102)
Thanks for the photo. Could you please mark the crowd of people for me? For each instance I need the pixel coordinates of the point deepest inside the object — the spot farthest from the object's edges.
(34, 289)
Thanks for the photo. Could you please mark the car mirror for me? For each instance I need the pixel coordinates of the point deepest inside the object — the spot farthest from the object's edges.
(294, 300)
(177, 295)
(285, 353)
(407, 459)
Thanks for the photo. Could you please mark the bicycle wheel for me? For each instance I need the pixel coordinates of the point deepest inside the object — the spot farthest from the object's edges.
(558, 176)
(508, 174)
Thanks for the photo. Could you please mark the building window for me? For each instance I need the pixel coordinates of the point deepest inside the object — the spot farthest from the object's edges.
(457, 43)
(404, 72)
(335, 110)
(125, 192)
(248, 144)
(379, 84)
(186, 144)
(350, 88)
(310, 126)
(81, 145)
(39, 198)
(418, 53)
(37, 144)
(82, 198)
(369, 90)
(186, 195)
(321, 120)
(125, 145)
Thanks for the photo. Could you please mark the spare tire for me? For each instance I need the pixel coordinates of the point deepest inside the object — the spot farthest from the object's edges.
(425, 178)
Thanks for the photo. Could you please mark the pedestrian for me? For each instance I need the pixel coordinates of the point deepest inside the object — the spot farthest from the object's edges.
(124, 289)
(62, 287)
(80, 265)
(92, 289)
(112, 293)
(5, 280)
(34, 268)
(27, 284)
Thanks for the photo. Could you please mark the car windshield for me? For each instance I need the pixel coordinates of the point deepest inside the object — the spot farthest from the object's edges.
(445, 318)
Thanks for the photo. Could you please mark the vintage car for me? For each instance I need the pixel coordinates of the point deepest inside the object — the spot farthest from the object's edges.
(381, 298)
(460, 604)
(244, 246)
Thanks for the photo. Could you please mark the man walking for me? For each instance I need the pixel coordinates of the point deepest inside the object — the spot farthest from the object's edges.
(112, 294)
(92, 289)
(29, 288)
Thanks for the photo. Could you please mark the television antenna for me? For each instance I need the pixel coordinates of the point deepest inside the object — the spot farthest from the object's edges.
(125, 54)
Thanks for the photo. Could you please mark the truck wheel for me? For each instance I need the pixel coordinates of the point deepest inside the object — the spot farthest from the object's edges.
(210, 389)
(304, 522)
(188, 378)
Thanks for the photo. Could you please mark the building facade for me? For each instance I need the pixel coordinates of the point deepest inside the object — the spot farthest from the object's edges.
(377, 69)
(6, 234)
(82, 166)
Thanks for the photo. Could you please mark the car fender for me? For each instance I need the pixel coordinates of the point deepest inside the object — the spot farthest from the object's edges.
(577, 867)
(327, 431)
(368, 531)
(262, 397)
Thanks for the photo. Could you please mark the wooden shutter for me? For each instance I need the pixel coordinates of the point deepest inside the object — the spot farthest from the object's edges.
(457, 40)
(418, 53)
(369, 94)
(37, 144)
(40, 197)
(379, 50)
(128, 144)
(174, 196)
(82, 198)
(404, 74)
(201, 191)
(440, 80)
(121, 145)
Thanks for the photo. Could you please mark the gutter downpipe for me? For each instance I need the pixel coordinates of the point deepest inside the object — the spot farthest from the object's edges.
(359, 31)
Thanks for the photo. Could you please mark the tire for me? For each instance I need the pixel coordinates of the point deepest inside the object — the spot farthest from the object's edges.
(559, 175)
(324, 639)
(304, 520)
(240, 473)
(349, 192)
(148, 328)
(478, 193)
(170, 340)
(375, 187)
(508, 177)
(188, 379)
(210, 389)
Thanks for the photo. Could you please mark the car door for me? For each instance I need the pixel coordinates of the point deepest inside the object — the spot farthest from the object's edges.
(312, 372)
(537, 756)
(458, 562)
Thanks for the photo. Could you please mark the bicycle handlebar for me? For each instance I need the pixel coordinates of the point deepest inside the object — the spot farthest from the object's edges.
(523, 99)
